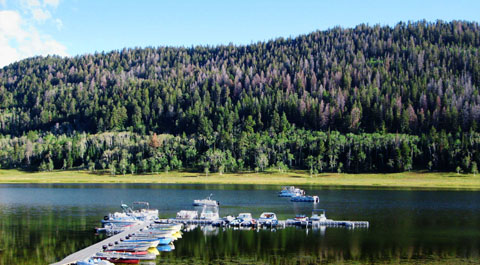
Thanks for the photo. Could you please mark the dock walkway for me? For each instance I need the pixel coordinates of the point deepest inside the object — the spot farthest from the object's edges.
(90, 251)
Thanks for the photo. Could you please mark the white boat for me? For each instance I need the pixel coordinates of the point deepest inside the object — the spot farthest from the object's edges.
(243, 219)
(130, 216)
(209, 213)
(268, 219)
(318, 215)
(290, 191)
(207, 201)
(119, 219)
(224, 221)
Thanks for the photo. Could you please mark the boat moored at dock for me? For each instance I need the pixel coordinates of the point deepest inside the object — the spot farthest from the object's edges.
(244, 219)
(268, 219)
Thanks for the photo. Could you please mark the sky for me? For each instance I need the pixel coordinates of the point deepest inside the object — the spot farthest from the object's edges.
(75, 27)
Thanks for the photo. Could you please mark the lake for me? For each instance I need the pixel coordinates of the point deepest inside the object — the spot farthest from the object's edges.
(43, 223)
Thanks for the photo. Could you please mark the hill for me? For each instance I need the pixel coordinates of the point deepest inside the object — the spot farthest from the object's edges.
(365, 99)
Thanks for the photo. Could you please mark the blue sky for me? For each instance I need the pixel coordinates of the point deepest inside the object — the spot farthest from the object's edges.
(73, 27)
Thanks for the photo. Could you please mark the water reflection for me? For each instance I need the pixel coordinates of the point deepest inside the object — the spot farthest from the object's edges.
(40, 224)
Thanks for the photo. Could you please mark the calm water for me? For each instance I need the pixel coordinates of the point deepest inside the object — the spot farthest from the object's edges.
(40, 224)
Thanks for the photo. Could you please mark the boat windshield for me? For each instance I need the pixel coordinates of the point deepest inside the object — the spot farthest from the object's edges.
(141, 205)
(245, 215)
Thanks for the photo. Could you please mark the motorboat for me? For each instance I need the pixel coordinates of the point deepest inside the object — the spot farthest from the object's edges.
(92, 261)
(305, 198)
(223, 221)
(207, 201)
(268, 219)
(120, 219)
(290, 191)
(318, 215)
(129, 216)
(209, 213)
(243, 219)
(301, 217)
(110, 228)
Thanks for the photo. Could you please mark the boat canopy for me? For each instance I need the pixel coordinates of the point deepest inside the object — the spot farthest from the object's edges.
(146, 205)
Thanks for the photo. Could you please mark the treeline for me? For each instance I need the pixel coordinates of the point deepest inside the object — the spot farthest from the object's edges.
(416, 80)
(126, 152)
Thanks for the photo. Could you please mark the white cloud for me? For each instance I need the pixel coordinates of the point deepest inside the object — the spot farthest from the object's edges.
(52, 3)
(59, 24)
(41, 15)
(19, 40)
(3, 3)
(31, 3)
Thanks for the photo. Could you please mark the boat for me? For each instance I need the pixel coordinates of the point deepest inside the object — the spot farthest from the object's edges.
(174, 235)
(290, 191)
(166, 248)
(305, 198)
(128, 248)
(318, 215)
(113, 228)
(125, 256)
(94, 262)
(152, 242)
(142, 255)
(243, 219)
(187, 215)
(268, 219)
(301, 218)
(129, 216)
(167, 227)
(223, 221)
(165, 237)
(207, 201)
(209, 213)
(119, 219)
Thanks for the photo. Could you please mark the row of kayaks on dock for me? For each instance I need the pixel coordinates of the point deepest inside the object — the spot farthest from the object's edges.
(145, 244)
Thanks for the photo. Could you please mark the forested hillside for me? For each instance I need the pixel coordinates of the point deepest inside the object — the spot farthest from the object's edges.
(365, 99)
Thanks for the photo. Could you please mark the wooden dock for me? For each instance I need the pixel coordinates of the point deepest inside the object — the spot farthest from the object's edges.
(90, 251)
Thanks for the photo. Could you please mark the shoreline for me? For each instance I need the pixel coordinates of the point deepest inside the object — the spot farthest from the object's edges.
(396, 181)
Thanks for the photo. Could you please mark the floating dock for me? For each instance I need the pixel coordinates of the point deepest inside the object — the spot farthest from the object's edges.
(281, 223)
(90, 251)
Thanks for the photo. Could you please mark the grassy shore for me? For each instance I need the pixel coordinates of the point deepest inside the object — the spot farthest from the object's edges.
(422, 180)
